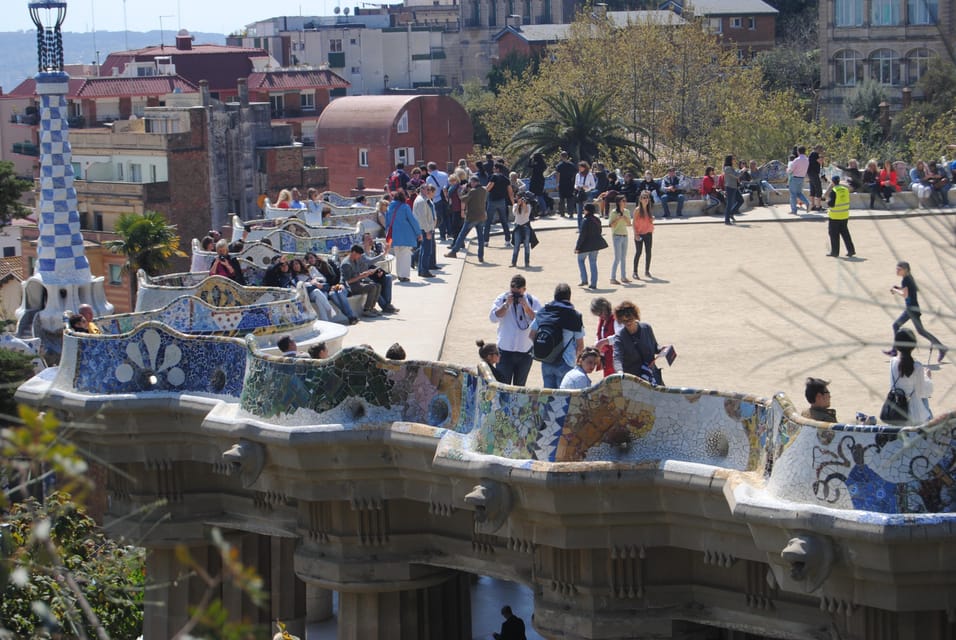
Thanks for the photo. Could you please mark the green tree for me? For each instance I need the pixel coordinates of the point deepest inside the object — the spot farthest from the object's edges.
(147, 241)
(12, 189)
(582, 127)
(479, 102)
(513, 64)
(15, 369)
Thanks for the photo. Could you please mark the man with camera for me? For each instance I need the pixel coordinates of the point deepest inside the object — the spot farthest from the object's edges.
(362, 276)
(513, 311)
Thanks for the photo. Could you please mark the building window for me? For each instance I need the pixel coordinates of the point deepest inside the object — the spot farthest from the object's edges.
(922, 11)
(916, 65)
(363, 157)
(356, 71)
(752, 23)
(119, 173)
(116, 274)
(546, 12)
(307, 101)
(335, 45)
(278, 105)
(406, 155)
(9, 252)
(135, 172)
(736, 23)
(97, 221)
(152, 173)
(353, 41)
(31, 265)
(526, 18)
(848, 13)
(716, 25)
(402, 126)
(847, 68)
(885, 66)
(885, 13)
(493, 13)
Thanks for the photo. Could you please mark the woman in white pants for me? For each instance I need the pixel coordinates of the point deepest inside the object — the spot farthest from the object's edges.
(405, 233)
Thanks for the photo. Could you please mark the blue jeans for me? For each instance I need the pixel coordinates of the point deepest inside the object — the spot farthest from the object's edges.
(441, 217)
(671, 197)
(553, 373)
(795, 185)
(514, 367)
(341, 300)
(497, 210)
(459, 243)
(579, 206)
(521, 236)
(425, 255)
(591, 257)
(385, 296)
(620, 255)
(734, 200)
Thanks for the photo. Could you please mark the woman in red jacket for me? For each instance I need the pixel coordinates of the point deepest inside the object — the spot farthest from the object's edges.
(601, 307)
(888, 182)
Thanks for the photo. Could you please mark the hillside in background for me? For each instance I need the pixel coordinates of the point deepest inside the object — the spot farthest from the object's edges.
(18, 49)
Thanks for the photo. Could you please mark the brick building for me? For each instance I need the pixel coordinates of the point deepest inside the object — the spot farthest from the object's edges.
(195, 165)
(365, 136)
(890, 41)
(748, 25)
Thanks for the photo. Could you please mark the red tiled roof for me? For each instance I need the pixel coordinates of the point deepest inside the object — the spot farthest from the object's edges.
(136, 86)
(12, 266)
(114, 86)
(297, 79)
(219, 64)
(28, 88)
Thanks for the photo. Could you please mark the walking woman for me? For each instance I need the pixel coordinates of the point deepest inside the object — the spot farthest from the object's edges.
(601, 307)
(521, 234)
(732, 189)
(908, 290)
(911, 377)
(405, 232)
(619, 220)
(635, 347)
(643, 233)
(590, 241)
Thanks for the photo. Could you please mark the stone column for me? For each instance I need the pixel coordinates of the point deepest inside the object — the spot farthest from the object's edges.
(318, 603)
(430, 613)
(288, 592)
(170, 592)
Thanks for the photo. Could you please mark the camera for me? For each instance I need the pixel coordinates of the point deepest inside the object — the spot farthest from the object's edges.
(517, 296)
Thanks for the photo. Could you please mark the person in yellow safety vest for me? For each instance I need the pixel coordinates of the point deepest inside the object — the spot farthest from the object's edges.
(839, 204)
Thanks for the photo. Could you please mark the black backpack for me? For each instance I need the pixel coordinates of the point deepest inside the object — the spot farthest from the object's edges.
(896, 408)
(549, 344)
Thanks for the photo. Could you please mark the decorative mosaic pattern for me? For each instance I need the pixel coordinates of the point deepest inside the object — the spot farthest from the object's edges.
(60, 255)
(348, 219)
(192, 316)
(870, 468)
(153, 358)
(619, 419)
(217, 291)
(287, 241)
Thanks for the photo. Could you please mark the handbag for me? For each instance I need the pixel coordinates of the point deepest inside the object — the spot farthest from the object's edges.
(388, 233)
(896, 406)
(580, 195)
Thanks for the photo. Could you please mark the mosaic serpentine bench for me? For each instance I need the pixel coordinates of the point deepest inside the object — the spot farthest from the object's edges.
(219, 291)
(355, 223)
(365, 218)
(620, 420)
(151, 358)
(194, 316)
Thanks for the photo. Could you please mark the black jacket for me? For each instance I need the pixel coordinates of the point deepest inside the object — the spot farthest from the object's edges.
(590, 238)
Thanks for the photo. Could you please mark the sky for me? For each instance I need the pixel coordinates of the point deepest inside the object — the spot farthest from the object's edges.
(218, 16)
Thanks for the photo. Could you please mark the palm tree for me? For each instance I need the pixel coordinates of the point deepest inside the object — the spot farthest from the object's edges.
(579, 126)
(147, 241)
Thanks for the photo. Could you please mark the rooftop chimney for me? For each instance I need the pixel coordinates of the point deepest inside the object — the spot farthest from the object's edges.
(243, 90)
(204, 93)
(184, 41)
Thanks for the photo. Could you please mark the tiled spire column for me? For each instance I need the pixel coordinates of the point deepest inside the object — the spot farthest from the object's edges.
(60, 255)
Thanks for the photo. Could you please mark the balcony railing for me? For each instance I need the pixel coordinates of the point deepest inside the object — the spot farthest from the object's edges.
(31, 119)
(26, 149)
